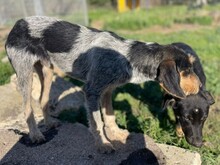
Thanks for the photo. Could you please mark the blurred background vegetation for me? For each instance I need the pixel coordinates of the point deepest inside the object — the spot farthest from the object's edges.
(138, 107)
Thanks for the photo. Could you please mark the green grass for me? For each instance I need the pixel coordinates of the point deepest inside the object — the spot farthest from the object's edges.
(144, 18)
(138, 107)
(205, 41)
(129, 21)
(137, 19)
(5, 70)
(138, 112)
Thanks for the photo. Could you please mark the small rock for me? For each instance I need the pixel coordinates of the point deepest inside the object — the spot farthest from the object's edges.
(176, 155)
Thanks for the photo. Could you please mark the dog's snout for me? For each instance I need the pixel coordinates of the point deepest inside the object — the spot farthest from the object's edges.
(198, 143)
(195, 141)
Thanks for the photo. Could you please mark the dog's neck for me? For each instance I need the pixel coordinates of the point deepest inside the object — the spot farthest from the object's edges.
(145, 59)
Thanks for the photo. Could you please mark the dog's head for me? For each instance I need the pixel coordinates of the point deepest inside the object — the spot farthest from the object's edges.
(191, 112)
(175, 73)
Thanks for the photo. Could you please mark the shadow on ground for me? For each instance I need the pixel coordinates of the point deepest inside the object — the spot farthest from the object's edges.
(73, 143)
(148, 95)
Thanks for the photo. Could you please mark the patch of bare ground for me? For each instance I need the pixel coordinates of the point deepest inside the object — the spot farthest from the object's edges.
(166, 30)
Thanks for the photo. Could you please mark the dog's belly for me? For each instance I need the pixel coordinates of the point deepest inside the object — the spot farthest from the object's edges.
(62, 61)
(74, 66)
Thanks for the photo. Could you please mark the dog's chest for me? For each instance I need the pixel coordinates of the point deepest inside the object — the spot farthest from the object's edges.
(138, 77)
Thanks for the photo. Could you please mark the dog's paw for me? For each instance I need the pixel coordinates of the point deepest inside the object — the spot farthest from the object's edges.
(105, 148)
(116, 134)
(52, 123)
(37, 137)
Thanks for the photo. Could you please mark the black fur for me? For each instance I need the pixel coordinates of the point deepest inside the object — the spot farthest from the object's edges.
(138, 53)
(141, 157)
(197, 65)
(157, 53)
(60, 37)
(191, 121)
(102, 60)
(185, 110)
(93, 29)
(116, 36)
(110, 32)
(162, 60)
(20, 38)
(169, 68)
(18, 35)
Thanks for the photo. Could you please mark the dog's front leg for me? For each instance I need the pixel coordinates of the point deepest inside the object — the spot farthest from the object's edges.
(111, 128)
(49, 121)
(95, 122)
(46, 77)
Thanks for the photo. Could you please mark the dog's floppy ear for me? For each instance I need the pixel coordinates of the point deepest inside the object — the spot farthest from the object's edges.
(168, 100)
(169, 79)
(209, 97)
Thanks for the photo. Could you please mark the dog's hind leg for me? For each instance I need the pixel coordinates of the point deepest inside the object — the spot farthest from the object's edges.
(25, 79)
(111, 128)
(45, 74)
(95, 120)
(23, 64)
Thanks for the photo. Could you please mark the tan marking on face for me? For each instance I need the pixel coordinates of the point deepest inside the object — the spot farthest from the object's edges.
(191, 58)
(179, 131)
(190, 84)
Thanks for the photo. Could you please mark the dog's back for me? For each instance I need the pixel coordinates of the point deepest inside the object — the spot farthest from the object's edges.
(57, 42)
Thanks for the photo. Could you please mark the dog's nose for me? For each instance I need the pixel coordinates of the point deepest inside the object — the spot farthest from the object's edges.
(197, 142)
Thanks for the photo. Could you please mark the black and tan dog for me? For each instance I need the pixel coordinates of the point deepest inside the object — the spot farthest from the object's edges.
(102, 60)
(192, 111)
